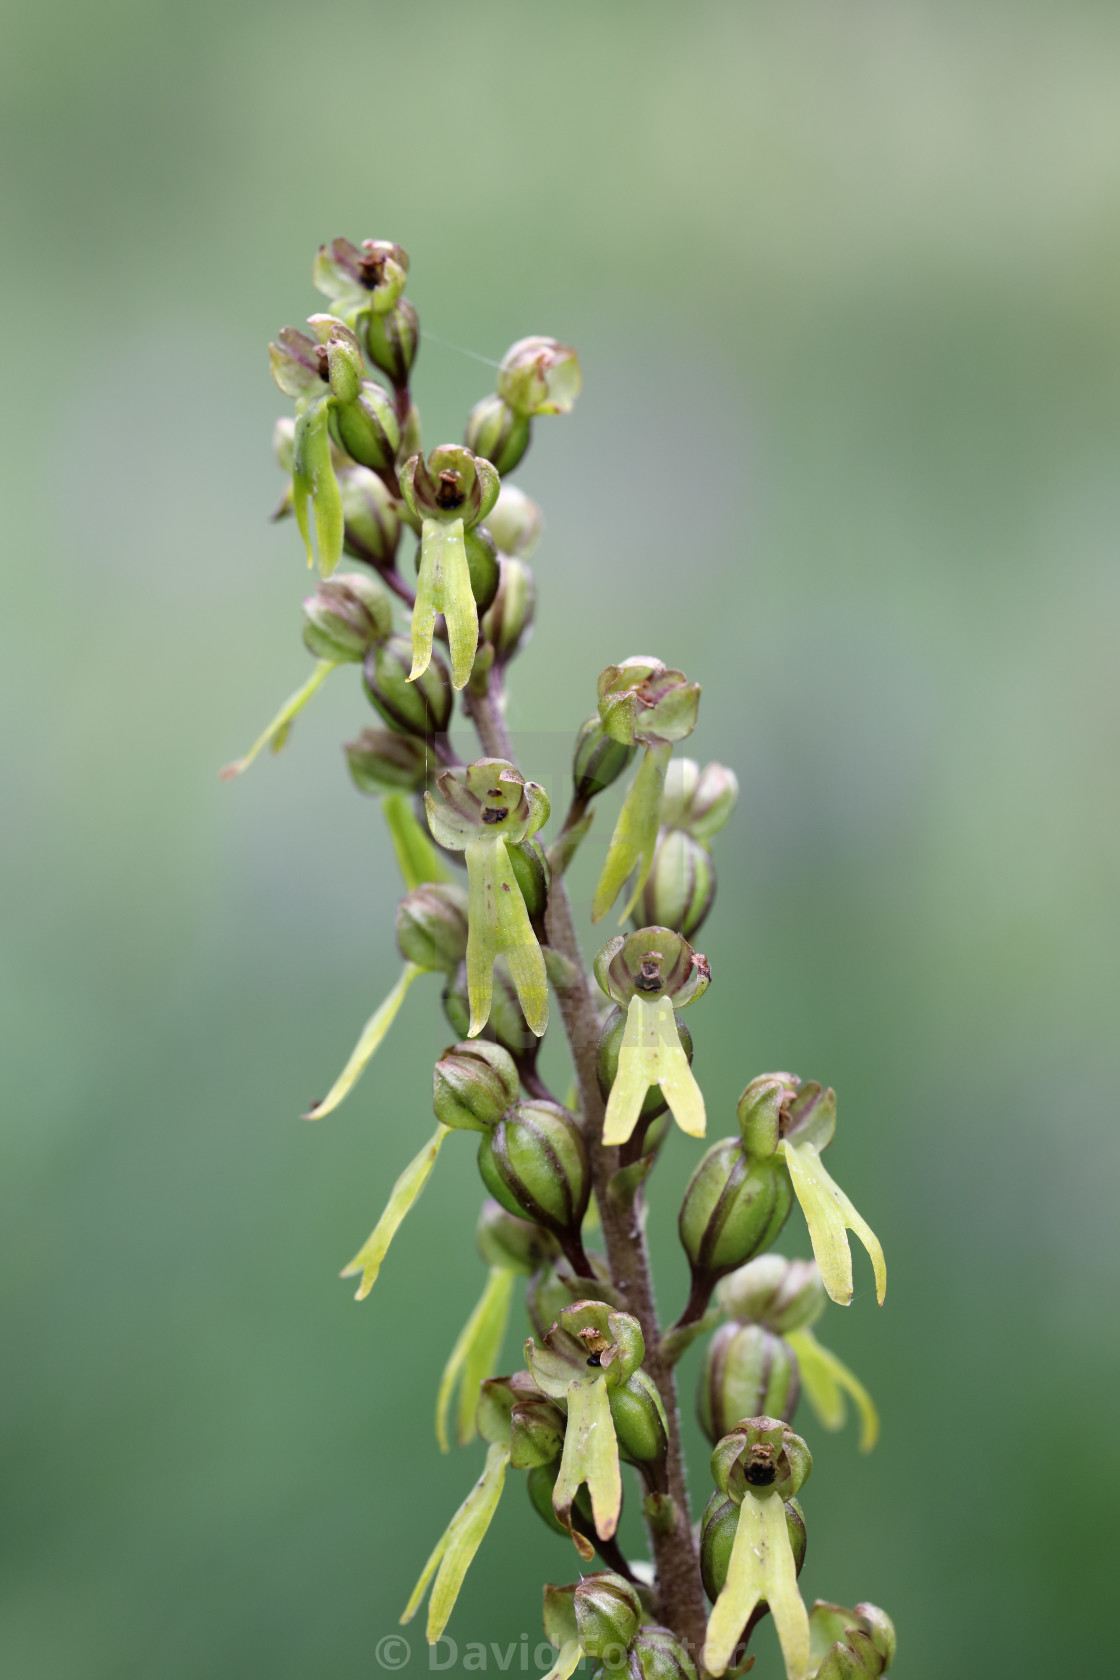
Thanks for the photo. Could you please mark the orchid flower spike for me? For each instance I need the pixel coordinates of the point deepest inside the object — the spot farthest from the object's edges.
(649, 975)
(487, 810)
(779, 1115)
(449, 494)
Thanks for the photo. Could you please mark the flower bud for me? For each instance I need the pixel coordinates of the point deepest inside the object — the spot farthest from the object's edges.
(508, 624)
(506, 1240)
(784, 1295)
(608, 1615)
(348, 614)
(494, 430)
(367, 427)
(657, 1654)
(392, 340)
(857, 1644)
(535, 1164)
(482, 564)
(606, 1062)
(681, 888)
(734, 1207)
(747, 1371)
(540, 376)
(381, 761)
(763, 1111)
(419, 708)
(372, 524)
(515, 520)
(432, 925)
(537, 1437)
(496, 1399)
(698, 801)
(474, 1084)
(717, 1536)
(639, 1419)
(539, 1484)
(529, 863)
(507, 1023)
(598, 760)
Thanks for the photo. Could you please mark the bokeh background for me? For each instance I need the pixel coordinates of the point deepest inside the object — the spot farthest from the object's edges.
(843, 275)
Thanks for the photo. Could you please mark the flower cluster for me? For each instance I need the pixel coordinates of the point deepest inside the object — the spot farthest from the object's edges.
(593, 1406)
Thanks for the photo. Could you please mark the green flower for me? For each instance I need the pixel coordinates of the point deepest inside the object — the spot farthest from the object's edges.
(649, 974)
(360, 280)
(449, 494)
(641, 703)
(482, 810)
(779, 1115)
(854, 1644)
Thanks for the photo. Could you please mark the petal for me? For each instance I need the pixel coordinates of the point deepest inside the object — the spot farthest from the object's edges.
(404, 1192)
(313, 477)
(456, 1547)
(828, 1213)
(651, 1054)
(278, 729)
(444, 585)
(371, 1035)
(591, 1456)
(567, 1662)
(416, 857)
(825, 1380)
(498, 924)
(678, 1083)
(635, 834)
(761, 1570)
(474, 1353)
(481, 945)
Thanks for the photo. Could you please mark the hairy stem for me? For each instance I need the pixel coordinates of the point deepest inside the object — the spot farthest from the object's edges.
(681, 1593)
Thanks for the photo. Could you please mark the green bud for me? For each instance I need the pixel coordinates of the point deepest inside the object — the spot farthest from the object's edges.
(494, 430)
(539, 1484)
(785, 1295)
(681, 888)
(474, 1084)
(392, 340)
(537, 1433)
(380, 761)
(717, 1536)
(657, 1654)
(733, 1208)
(419, 708)
(608, 1615)
(535, 1164)
(532, 874)
(857, 1644)
(367, 427)
(372, 524)
(505, 1239)
(606, 1062)
(432, 925)
(367, 277)
(508, 623)
(507, 1023)
(348, 614)
(599, 759)
(639, 1419)
(747, 1371)
(540, 376)
(482, 564)
(515, 521)
(496, 1399)
(763, 1111)
(761, 1452)
(698, 801)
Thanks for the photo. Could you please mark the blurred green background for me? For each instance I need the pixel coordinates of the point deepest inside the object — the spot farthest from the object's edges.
(843, 275)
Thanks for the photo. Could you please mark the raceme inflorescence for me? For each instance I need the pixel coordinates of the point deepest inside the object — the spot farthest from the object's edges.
(486, 911)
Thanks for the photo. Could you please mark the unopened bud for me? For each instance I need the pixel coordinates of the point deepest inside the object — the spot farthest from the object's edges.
(368, 428)
(474, 1084)
(599, 759)
(505, 1239)
(381, 761)
(372, 524)
(857, 1644)
(432, 925)
(348, 614)
(392, 340)
(540, 376)
(608, 1615)
(507, 1023)
(717, 1536)
(764, 1110)
(699, 801)
(733, 1208)
(508, 624)
(535, 1164)
(747, 1371)
(681, 887)
(515, 521)
(659, 1655)
(419, 708)
(494, 430)
(482, 564)
(532, 874)
(783, 1294)
(606, 1061)
(537, 1432)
